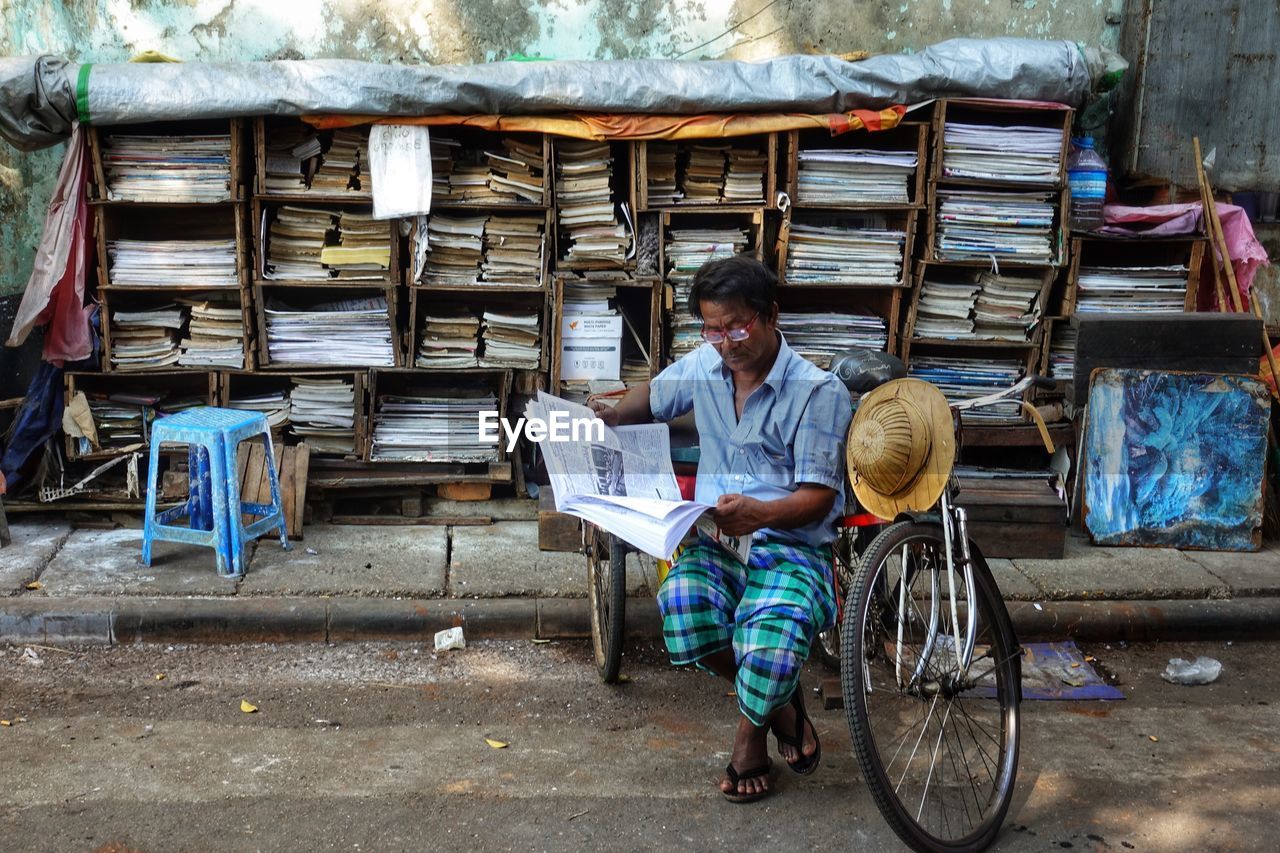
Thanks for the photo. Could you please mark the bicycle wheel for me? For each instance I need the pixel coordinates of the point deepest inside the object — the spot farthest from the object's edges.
(844, 561)
(939, 751)
(607, 591)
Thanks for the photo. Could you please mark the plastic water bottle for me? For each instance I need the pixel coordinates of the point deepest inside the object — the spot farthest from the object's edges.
(1087, 177)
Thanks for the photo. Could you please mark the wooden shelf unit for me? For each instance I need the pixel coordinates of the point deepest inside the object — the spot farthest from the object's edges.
(640, 299)
(300, 296)
(241, 156)
(907, 136)
(476, 300)
(233, 384)
(167, 385)
(763, 143)
(622, 187)
(263, 213)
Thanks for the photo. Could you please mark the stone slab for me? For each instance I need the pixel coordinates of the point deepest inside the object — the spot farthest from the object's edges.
(1089, 572)
(1245, 573)
(109, 562)
(1014, 585)
(352, 559)
(33, 546)
(502, 559)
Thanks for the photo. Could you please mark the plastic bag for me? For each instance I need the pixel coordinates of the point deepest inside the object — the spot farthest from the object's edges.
(1202, 671)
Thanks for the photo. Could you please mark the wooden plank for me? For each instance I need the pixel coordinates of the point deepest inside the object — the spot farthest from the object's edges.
(288, 502)
(465, 491)
(255, 469)
(302, 465)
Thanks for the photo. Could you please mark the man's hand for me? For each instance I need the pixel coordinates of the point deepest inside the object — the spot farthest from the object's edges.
(738, 515)
(605, 412)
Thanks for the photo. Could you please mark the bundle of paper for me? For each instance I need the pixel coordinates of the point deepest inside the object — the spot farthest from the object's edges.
(344, 165)
(513, 247)
(179, 169)
(146, 337)
(688, 249)
(661, 176)
(450, 339)
(120, 423)
(635, 370)
(985, 224)
(1062, 351)
(287, 151)
(852, 176)
(1021, 154)
(295, 241)
(962, 379)
(1116, 290)
(454, 250)
(744, 175)
(584, 202)
(443, 152)
(844, 252)
(211, 263)
(353, 331)
(817, 336)
(515, 173)
(945, 309)
(437, 428)
(273, 404)
(363, 250)
(512, 338)
(702, 179)
(215, 337)
(322, 412)
(1007, 308)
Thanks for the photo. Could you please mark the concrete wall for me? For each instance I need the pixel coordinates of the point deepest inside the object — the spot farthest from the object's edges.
(440, 31)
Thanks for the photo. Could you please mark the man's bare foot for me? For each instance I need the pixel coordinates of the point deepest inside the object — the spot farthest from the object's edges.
(783, 726)
(750, 751)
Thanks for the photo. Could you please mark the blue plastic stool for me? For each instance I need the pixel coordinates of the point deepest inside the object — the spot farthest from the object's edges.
(213, 505)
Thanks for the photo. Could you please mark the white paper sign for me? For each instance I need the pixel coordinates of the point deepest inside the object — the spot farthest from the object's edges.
(400, 167)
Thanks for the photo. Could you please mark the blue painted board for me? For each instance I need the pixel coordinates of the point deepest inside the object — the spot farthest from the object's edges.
(1175, 459)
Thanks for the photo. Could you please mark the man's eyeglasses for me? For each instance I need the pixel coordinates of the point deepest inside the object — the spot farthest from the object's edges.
(717, 336)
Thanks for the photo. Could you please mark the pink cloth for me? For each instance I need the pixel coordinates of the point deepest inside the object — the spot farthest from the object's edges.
(55, 291)
(1168, 220)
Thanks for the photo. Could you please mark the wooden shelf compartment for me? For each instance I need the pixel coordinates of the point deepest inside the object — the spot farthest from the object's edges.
(234, 385)
(1058, 235)
(422, 300)
(240, 166)
(1089, 251)
(640, 303)
(304, 298)
(1000, 113)
(909, 136)
(267, 129)
(622, 191)
(885, 303)
(765, 144)
(159, 223)
(115, 299)
(151, 393)
(544, 268)
(904, 220)
(263, 214)
(453, 385)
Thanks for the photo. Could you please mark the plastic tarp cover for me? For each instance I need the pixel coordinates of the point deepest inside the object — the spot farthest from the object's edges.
(40, 97)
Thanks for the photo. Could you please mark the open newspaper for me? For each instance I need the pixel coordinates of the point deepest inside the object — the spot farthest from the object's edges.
(621, 480)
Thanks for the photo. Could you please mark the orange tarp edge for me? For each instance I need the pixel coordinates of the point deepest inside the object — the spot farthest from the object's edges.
(626, 126)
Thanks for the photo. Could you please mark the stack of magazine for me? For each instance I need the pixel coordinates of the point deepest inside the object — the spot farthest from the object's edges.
(512, 338)
(1131, 290)
(818, 336)
(584, 203)
(215, 336)
(944, 309)
(1017, 154)
(702, 172)
(1062, 351)
(744, 175)
(274, 405)
(513, 247)
(981, 225)
(661, 176)
(515, 173)
(688, 249)
(322, 412)
(853, 176)
(344, 165)
(1007, 308)
(442, 427)
(363, 250)
(844, 252)
(295, 240)
(455, 247)
(962, 379)
(210, 263)
(176, 169)
(145, 338)
(355, 331)
(450, 339)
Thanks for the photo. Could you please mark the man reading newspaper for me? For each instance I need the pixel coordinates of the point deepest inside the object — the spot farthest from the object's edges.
(771, 429)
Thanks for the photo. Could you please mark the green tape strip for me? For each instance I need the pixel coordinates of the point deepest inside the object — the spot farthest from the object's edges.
(82, 93)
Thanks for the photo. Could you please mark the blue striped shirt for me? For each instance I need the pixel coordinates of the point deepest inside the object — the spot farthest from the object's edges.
(792, 431)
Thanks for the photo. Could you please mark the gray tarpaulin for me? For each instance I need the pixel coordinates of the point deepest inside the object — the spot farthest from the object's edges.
(39, 97)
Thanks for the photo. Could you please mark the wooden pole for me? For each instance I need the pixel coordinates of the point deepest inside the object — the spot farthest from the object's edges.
(1208, 229)
(1211, 214)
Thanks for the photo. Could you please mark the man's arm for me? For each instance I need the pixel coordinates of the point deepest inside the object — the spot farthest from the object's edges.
(738, 515)
(633, 408)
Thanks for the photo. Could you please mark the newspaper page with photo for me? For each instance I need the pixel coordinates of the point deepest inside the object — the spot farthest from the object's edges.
(621, 479)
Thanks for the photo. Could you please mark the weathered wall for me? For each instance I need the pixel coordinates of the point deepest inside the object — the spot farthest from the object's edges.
(441, 31)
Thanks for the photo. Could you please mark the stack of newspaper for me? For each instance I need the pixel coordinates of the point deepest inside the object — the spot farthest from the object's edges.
(515, 173)
(363, 250)
(845, 252)
(688, 249)
(344, 165)
(146, 337)
(215, 336)
(454, 250)
(211, 263)
(450, 339)
(1128, 290)
(442, 427)
(622, 480)
(355, 331)
(512, 338)
(661, 175)
(962, 379)
(818, 336)
(273, 404)
(167, 168)
(295, 240)
(986, 224)
(513, 247)
(853, 176)
(1018, 154)
(584, 203)
(322, 412)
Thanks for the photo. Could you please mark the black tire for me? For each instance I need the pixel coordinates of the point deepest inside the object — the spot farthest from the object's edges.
(932, 800)
(845, 560)
(607, 592)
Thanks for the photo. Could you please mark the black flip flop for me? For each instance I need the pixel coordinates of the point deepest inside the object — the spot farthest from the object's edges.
(807, 763)
(735, 777)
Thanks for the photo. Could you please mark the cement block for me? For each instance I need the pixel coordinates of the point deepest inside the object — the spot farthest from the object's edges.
(34, 544)
(1249, 573)
(1089, 572)
(351, 559)
(109, 562)
(503, 559)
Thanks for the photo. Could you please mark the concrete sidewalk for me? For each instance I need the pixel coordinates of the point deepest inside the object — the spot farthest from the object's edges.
(346, 583)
